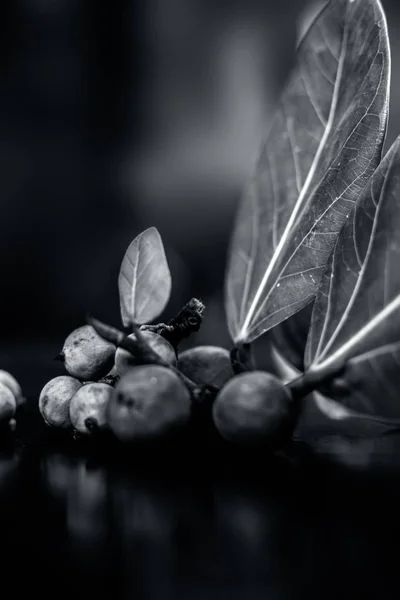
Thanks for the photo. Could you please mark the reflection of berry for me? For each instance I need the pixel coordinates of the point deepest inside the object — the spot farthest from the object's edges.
(149, 401)
(8, 404)
(253, 407)
(125, 360)
(86, 355)
(55, 399)
(88, 407)
(206, 365)
(10, 381)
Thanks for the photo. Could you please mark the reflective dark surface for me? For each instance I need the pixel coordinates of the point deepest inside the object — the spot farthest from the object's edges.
(195, 521)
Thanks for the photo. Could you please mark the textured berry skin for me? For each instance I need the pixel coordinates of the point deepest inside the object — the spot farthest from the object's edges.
(148, 402)
(206, 365)
(88, 407)
(125, 361)
(253, 407)
(55, 399)
(8, 404)
(10, 381)
(86, 355)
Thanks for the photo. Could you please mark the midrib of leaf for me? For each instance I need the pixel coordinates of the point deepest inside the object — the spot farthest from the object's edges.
(243, 332)
(142, 270)
(376, 352)
(134, 280)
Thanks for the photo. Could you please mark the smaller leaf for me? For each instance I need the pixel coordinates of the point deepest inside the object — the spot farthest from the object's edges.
(321, 416)
(356, 315)
(144, 280)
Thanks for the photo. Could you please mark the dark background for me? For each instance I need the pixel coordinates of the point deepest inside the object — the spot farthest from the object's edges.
(115, 116)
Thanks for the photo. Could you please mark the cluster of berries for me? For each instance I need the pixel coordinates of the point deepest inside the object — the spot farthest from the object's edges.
(155, 390)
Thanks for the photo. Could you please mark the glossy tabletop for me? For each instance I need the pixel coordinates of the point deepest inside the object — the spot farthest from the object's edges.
(191, 520)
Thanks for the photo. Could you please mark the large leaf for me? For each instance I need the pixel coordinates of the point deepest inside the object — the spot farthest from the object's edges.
(323, 146)
(356, 316)
(144, 280)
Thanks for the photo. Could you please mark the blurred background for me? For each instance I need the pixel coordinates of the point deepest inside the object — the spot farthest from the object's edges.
(117, 116)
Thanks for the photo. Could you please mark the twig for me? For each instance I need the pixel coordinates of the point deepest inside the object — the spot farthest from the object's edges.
(186, 322)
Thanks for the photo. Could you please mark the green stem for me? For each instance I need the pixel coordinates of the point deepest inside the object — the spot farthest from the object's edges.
(300, 388)
(142, 352)
(311, 380)
(138, 347)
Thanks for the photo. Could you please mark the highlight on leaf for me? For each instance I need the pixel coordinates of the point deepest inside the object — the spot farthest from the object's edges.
(324, 144)
(144, 280)
(356, 316)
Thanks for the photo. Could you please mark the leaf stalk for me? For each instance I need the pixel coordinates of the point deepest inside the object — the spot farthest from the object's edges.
(311, 380)
(139, 348)
(242, 358)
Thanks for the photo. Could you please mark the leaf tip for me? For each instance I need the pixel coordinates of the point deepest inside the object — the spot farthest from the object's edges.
(151, 231)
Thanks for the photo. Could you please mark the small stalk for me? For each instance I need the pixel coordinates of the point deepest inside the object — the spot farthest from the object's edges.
(311, 380)
(91, 424)
(139, 348)
(242, 359)
(304, 385)
(142, 352)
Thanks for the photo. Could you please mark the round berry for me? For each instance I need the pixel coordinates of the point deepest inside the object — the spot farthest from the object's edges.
(148, 402)
(253, 407)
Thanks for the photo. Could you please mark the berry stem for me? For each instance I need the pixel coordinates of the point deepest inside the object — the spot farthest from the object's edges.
(242, 359)
(138, 347)
(91, 424)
